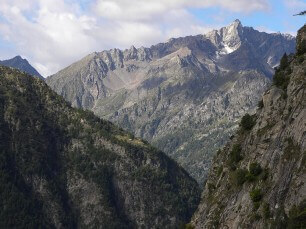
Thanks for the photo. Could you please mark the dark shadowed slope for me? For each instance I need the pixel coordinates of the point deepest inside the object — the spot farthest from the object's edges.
(65, 168)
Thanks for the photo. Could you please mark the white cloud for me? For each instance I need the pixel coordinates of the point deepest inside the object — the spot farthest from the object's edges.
(51, 39)
(54, 33)
(149, 9)
(295, 5)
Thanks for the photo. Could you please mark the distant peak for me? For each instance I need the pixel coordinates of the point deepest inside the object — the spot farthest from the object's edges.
(18, 57)
(132, 48)
(21, 64)
(237, 23)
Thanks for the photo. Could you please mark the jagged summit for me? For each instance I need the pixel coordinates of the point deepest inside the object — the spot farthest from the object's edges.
(228, 39)
(237, 22)
(18, 58)
(234, 26)
(231, 37)
(231, 28)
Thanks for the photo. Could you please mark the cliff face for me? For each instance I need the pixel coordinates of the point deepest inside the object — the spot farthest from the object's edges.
(258, 180)
(184, 96)
(65, 168)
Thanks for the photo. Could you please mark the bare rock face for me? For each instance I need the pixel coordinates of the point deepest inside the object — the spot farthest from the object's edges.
(63, 167)
(258, 180)
(184, 96)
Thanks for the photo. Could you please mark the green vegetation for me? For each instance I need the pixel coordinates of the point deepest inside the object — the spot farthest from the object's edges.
(243, 175)
(301, 58)
(215, 222)
(264, 130)
(255, 169)
(28, 148)
(256, 195)
(266, 210)
(203, 148)
(220, 170)
(301, 43)
(247, 122)
(265, 174)
(255, 217)
(281, 77)
(260, 104)
(297, 216)
(284, 62)
(301, 49)
(189, 226)
(280, 219)
(291, 151)
(240, 176)
(211, 187)
(235, 156)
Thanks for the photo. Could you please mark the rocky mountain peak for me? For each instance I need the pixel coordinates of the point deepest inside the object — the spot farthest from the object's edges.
(228, 38)
(133, 49)
(131, 54)
(232, 34)
(237, 22)
(21, 64)
(235, 26)
(234, 29)
(18, 58)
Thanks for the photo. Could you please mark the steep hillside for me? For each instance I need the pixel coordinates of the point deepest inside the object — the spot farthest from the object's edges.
(62, 167)
(21, 64)
(259, 179)
(184, 96)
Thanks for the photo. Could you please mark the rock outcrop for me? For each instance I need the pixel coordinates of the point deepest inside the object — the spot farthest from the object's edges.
(258, 180)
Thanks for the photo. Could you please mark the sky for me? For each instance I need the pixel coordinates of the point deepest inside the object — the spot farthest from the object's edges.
(52, 34)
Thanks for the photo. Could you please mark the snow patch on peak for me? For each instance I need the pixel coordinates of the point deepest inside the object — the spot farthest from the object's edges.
(288, 36)
(272, 61)
(229, 35)
(269, 60)
(228, 49)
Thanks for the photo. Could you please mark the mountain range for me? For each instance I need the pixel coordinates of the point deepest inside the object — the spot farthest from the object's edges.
(22, 64)
(185, 96)
(64, 167)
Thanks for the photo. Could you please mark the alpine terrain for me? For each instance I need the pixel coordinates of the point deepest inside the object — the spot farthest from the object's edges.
(21, 64)
(184, 96)
(61, 167)
(258, 180)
